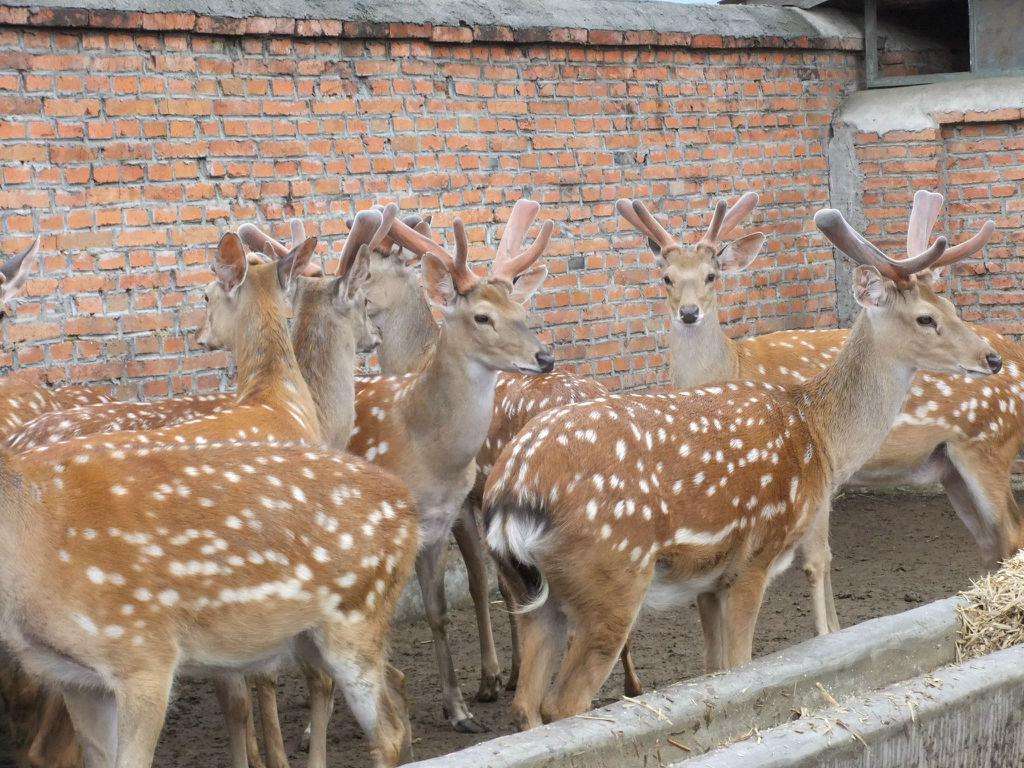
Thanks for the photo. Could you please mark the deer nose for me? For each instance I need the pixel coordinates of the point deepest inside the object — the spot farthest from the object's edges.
(689, 314)
(995, 362)
(545, 360)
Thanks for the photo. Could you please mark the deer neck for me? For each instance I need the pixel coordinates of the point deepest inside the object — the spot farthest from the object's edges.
(701, 355)
(407, 333)
(325, 347)
(450, 405)
(267, 369)
(853, 404)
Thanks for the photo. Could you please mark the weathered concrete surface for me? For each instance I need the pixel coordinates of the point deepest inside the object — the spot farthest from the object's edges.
(712, 710)
(920, 107)
(961, 716)
(711, 20)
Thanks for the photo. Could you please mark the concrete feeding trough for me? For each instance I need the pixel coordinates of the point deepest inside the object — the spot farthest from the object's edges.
(885, 693)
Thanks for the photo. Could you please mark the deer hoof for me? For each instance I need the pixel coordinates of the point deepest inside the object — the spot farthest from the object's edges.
(489, 687)
(470, 725)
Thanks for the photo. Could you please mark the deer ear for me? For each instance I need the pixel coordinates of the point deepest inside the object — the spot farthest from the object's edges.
(437, 281)
(295, 263)
(741, 252)
(14, 271)
(870, 289)
(345, 288)
(527, 283)
(230, 264)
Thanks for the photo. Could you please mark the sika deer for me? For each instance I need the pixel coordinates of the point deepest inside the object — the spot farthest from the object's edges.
(598, 507)
(245, 314)
(398, 307)
(430, 426)
(949, 430)
(111, 586)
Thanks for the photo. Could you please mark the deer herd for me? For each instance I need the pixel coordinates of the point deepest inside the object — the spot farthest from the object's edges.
(231, 535)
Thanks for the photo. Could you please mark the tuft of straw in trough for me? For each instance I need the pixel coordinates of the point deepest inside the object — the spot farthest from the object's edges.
(992, 616)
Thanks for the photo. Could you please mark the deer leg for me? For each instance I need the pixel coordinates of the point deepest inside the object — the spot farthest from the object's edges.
(321, 706)
(592, 652)
(543, 636)
(52, 737)
(141, 707)
(270, 724)
(740, 606)
(94, 716)
(817, 555)
(467, 536)
(233, 695)
(430, 573)
(978, 486)
(710, 609)
(513, 671)
(371, 690)
(252, 746)
(631, 685)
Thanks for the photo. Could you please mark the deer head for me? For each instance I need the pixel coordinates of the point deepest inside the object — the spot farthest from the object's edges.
(691, 273)
(485, 315)
(392, 283)
(921, 327)
(339, 297)
(14, 273)
(243, 284)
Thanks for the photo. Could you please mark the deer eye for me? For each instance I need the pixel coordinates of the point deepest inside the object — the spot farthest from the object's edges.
(926, 321)
(667, 280)
(482, 319)
(710, 278)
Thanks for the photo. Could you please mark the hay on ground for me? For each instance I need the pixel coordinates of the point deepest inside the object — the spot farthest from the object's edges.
(992, 618)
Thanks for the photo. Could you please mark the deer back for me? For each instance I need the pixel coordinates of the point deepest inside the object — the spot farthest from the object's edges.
(713, 476)
(182, 549)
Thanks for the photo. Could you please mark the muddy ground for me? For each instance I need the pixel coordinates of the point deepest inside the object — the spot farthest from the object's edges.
(892, 552)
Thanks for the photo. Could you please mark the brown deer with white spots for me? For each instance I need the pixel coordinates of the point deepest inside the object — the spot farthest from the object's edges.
(430, 426)
(246, 314)
(22, 398)
(122, 567)
(398, 306)
(954, 429)
(596, 508)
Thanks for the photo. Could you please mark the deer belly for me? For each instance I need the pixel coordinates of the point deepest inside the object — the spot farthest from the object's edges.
(668, 590)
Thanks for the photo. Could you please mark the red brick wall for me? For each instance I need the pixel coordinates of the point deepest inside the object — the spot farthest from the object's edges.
(131, 152)
(979, 166)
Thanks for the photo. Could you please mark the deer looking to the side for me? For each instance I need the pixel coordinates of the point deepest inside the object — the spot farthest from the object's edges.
(962, 432)
(596, 508)
(398, 306)
(430, 426)
(246, 314)
(21, 398)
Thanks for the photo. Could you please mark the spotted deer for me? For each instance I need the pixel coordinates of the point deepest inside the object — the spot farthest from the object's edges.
(246, 315)
(257, 552)
(23, 398)
(398, 306)
(430, 426)
(597, 508)
(962, 432)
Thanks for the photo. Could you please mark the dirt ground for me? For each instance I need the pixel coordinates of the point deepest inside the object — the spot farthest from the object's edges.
(892, 552)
